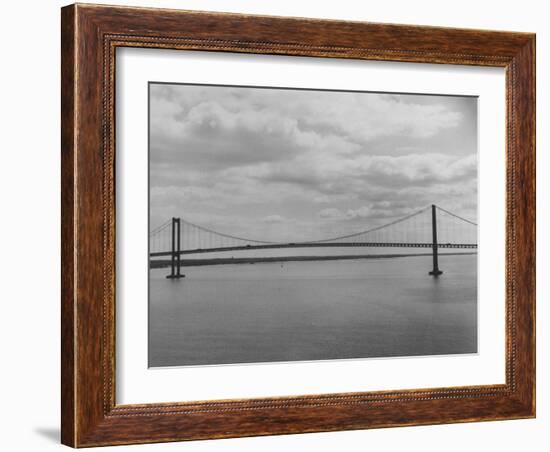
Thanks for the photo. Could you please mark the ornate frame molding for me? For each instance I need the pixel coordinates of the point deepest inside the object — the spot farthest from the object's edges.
(90, 37)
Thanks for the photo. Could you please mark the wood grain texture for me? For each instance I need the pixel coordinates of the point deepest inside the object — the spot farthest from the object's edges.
(90, 36)
(68, 147)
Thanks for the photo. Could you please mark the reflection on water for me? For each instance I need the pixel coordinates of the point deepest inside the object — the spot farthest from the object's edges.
(313, 310)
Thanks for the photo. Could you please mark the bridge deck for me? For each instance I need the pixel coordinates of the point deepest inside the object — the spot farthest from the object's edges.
(318, 245)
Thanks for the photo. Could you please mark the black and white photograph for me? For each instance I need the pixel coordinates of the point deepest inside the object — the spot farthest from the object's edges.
(302, 225)
(275, 226)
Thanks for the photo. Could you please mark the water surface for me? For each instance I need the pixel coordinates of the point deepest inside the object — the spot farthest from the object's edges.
(315, 310)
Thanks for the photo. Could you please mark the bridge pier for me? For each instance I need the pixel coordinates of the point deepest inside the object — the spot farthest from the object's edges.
(435, 271)
(175, 263)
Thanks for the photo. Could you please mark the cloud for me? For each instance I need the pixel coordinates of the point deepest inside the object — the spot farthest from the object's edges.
(230, 157)
(341, 177)
(360, 115)
(273, 219)
(331, 213)
(212, 127)
(417, 169)
(372, 211)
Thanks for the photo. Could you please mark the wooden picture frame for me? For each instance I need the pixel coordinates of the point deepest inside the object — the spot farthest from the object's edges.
(90, 36)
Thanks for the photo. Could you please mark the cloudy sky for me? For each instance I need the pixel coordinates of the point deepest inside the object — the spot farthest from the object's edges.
(290, 165)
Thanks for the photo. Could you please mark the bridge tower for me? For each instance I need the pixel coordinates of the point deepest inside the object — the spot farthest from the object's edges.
(175, 264)
(436, 271)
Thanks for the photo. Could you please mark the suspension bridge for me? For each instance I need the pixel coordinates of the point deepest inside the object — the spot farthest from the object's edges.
(431, 227)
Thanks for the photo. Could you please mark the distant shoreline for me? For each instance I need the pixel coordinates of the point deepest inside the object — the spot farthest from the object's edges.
(255, 260)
